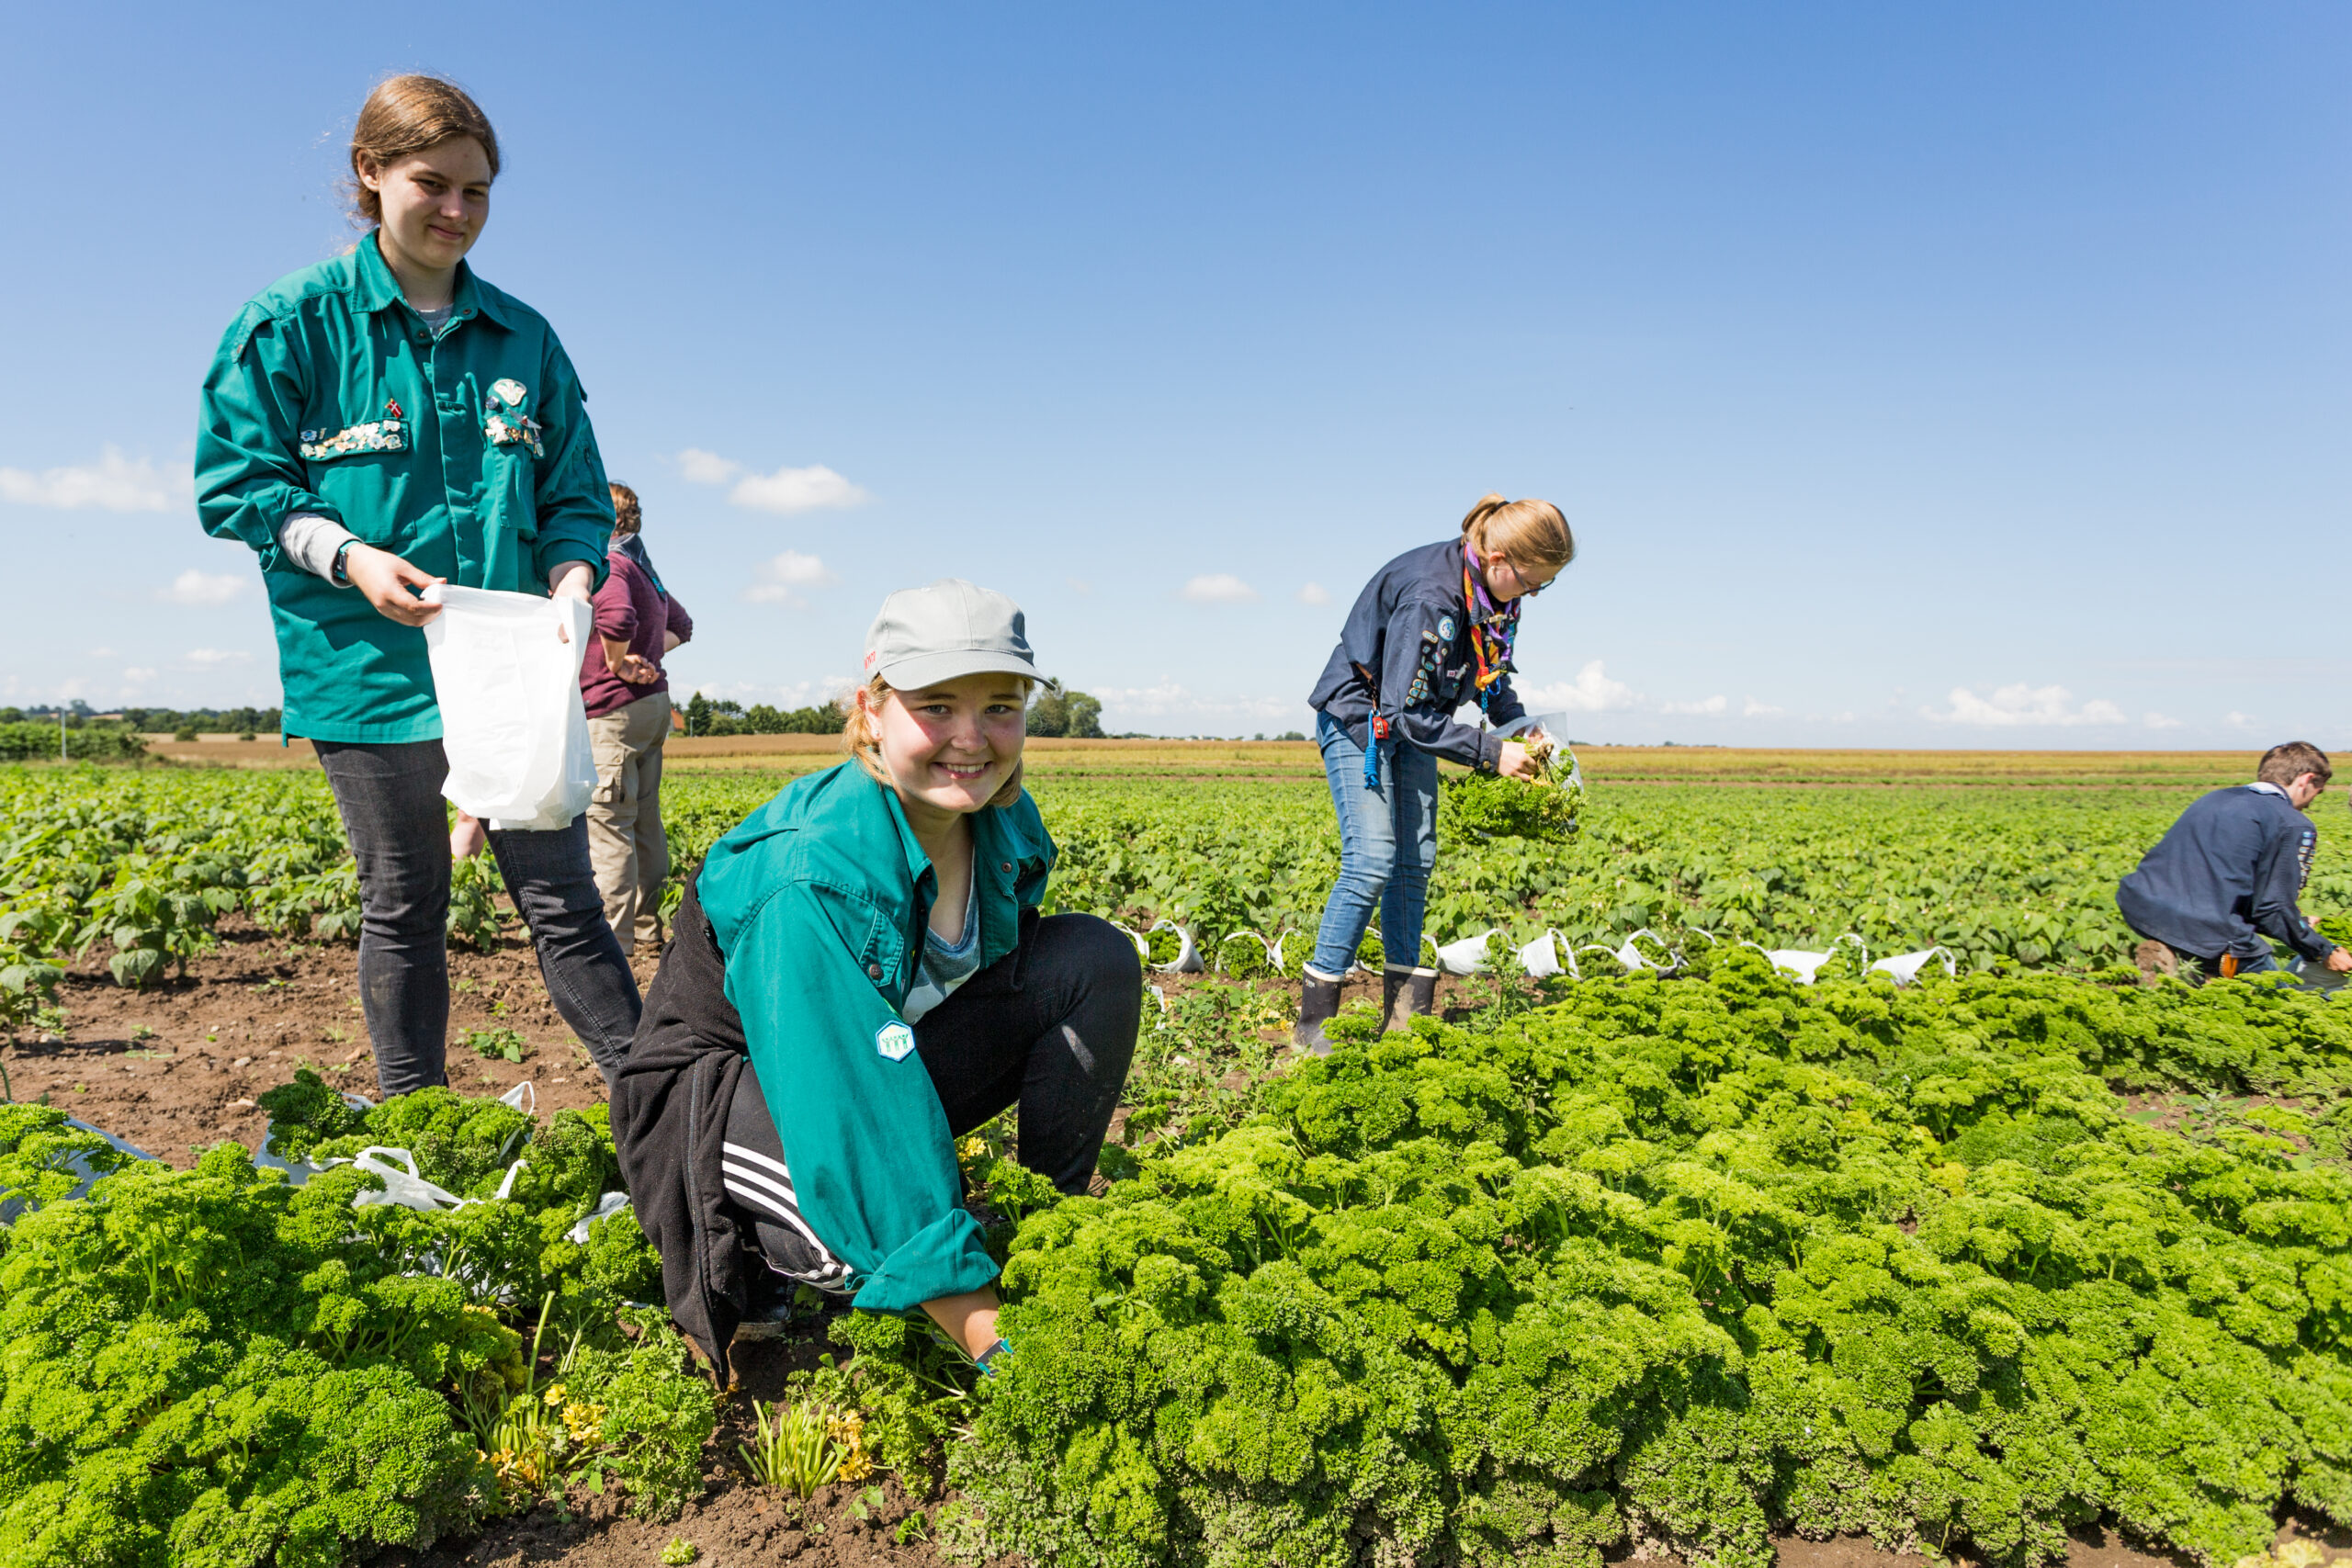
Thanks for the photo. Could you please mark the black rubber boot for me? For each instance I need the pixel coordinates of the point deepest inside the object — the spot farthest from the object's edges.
(1403, 993)
(1317, 1002)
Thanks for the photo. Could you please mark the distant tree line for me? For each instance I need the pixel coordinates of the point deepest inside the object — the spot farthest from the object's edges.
(1073, 714)
(37, 741)
(208, 721)
(1069, 715)
(725, 717)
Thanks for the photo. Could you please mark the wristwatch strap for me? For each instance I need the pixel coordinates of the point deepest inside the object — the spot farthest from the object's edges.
(335, 573)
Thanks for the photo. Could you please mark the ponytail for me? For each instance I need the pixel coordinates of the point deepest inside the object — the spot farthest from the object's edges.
(1530, 534)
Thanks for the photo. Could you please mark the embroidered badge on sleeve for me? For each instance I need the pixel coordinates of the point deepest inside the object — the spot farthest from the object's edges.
(894, 1040)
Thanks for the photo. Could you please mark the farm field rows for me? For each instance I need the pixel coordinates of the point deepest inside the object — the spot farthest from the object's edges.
(1606, 764)
(1702, 1262)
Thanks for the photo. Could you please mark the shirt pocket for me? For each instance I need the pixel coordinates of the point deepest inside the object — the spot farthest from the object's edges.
(882, 956)
(510, 491)
(511, 444)
(359, 468)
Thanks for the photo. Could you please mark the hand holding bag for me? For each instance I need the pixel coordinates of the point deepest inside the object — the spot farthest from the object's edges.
(511, 718)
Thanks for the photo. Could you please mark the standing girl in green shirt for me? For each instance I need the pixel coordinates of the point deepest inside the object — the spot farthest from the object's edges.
(859, 976)
(370, 426)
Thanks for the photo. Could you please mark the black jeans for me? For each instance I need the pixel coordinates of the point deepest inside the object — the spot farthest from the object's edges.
(389, 796)
(1059, 1045)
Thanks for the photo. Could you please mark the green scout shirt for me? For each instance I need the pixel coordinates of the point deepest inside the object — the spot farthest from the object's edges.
(819, 902)
(468, 454)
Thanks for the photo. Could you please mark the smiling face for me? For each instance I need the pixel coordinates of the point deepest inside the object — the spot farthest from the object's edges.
(949, 747)
(434, 204)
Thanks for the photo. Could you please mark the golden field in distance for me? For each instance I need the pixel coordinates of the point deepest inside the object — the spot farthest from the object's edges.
(1295, 759)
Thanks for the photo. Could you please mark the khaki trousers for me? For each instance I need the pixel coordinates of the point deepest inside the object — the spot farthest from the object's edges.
(625, 844)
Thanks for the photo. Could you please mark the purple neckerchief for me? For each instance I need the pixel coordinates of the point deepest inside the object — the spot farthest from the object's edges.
(1503, 623)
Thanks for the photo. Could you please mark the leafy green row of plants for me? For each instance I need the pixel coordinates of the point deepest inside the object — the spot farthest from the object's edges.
(144, 864)
(214, 1366)
(1685, 1262)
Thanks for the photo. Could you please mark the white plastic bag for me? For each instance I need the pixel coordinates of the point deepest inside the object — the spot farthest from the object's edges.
(402, 1185)
(1188, 953)
(1553, 727)
(511, 718)
(1904, 967)
(1630, 956)
(1465, 956)
(609, 1205)
(1540, 958)
(1803, 966)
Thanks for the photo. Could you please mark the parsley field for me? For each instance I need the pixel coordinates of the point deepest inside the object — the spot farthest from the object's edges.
(1674, 1260)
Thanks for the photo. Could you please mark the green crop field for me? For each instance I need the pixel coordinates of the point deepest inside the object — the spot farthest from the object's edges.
(1680, 1258)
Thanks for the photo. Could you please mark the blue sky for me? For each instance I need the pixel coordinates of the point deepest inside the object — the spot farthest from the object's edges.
(1924, 375)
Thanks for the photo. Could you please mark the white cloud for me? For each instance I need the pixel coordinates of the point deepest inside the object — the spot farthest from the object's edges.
(1079, 585)
(205, 588)
(1703, 706)
(1754, 709)
(2240, 721)
(215, 656)
(1220, 588)
(113, 483)
(782, 576)
(784, 492)
(699, 467)
(2159, 721)
(787, 491)
(1314, 594)
(784, 694)
(136, 675)
(1171, 698)
(1591, 692)
(2024, 705)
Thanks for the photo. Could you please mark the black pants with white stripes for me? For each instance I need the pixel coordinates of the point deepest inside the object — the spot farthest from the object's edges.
(1059, 1046)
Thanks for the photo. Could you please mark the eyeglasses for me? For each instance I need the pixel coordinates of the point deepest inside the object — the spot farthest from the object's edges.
(1526, 590)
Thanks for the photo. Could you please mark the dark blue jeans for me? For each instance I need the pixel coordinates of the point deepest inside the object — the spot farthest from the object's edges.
(1387, 844)
(390, 797)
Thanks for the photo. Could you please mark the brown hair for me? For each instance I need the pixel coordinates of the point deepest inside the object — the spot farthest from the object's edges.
(2282, 765)
(406, 115)
(1526, 533)
(627, 518)
(862, 737)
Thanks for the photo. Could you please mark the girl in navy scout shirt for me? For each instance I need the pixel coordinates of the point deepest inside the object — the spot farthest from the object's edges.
(1432, 631)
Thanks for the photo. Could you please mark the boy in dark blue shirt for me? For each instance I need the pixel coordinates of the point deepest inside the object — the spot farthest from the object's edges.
(2225, 881)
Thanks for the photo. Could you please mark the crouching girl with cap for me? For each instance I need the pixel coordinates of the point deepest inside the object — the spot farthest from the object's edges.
(859, 976)
(1432, 631)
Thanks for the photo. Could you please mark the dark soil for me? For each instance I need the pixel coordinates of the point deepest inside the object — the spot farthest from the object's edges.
(178, 1065)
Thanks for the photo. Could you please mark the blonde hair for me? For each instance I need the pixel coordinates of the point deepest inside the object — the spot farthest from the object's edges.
(1530, 533)
(862, 736)
(405, 115)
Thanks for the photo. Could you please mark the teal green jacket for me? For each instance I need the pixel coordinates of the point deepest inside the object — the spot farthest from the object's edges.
(819, 903)
(470, 455)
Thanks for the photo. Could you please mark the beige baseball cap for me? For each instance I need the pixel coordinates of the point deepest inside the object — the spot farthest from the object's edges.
(945, 630)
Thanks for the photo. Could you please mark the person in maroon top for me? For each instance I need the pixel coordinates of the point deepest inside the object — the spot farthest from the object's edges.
(627, 697)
